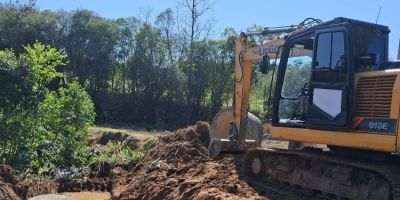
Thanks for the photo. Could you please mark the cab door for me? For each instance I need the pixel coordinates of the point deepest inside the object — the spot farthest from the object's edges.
(331, 80)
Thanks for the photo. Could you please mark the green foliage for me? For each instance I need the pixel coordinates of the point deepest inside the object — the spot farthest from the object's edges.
(129, 154)
(42, 61)
(66, 116)
(114, 152)
(135, 70)
(259, 94)
(41, 129)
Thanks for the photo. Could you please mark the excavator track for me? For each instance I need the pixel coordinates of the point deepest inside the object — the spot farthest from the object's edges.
(327, 173)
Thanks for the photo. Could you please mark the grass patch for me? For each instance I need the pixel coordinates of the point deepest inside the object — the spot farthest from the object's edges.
(140, 134)
(114, 152)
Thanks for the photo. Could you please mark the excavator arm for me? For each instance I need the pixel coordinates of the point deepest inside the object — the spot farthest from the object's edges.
(245, 56)
(234, 129)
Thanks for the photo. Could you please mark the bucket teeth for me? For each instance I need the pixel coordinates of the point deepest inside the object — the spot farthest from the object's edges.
(219, 146)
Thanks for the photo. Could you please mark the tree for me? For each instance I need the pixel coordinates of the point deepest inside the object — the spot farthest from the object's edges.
(136, 70)
(77, 44)
(149, 59)
(124, 50)
(194, 29)
(22, 24)
(102, 40)
(91, 46)
(221, 80)
(166, 22)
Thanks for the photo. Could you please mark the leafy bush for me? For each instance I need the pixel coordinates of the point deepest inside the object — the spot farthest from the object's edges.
(42, 61)
(66, 116)
(41, 129)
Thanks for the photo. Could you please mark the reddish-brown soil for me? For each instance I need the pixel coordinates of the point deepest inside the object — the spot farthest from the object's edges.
(175, 167)
(13, 186)
(178, 168)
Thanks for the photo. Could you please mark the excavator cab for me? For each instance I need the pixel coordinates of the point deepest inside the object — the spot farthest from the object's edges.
(330, 77)
(333, 86)
(338, 49)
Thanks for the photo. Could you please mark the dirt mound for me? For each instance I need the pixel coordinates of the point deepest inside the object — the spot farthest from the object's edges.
(175, 166)
(107, 137)
(6, 192)
(13, 186)
(178, 168)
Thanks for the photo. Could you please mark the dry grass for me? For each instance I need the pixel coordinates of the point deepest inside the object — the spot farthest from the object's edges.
(135, 132)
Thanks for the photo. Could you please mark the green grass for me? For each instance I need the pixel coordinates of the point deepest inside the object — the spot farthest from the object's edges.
(114, 152)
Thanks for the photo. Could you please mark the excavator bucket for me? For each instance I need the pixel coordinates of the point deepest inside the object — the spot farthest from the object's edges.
(220, 130)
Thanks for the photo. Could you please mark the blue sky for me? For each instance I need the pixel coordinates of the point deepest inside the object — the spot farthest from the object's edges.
(242, 14)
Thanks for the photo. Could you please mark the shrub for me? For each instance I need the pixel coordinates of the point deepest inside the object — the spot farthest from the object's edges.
(41, 129)
(114, 152)
(65, 118)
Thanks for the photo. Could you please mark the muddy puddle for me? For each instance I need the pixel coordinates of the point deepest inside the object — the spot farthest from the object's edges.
(88, 195)
(74, 196)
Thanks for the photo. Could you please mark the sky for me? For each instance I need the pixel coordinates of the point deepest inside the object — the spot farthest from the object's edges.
(243, 14)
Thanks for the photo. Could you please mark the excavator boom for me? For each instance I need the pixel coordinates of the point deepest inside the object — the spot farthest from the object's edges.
(236, 122)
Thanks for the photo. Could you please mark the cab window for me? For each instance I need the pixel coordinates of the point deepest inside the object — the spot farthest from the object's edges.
(295, 82)
(330, 51)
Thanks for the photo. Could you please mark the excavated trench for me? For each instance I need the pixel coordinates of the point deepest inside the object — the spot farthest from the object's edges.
(175, 167)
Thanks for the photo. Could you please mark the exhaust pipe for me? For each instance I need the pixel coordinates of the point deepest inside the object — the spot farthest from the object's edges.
(398, 52)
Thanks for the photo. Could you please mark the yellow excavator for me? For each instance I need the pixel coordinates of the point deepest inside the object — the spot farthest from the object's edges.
(331, 84)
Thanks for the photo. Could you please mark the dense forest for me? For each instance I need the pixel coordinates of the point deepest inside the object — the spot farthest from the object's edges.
(135, 70)
(166, 72)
